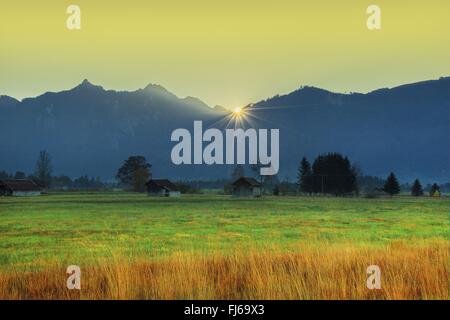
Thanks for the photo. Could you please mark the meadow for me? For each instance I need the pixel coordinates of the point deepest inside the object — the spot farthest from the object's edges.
(130, 246)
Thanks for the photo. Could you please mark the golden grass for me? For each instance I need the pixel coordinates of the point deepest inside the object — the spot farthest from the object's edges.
(409, 271)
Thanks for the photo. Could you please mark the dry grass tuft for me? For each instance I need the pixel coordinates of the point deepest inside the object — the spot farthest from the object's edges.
(409, 271)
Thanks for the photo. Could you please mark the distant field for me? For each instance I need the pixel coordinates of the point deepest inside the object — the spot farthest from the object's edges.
(53, 231)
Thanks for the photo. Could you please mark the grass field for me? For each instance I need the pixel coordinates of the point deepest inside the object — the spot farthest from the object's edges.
(211, 246)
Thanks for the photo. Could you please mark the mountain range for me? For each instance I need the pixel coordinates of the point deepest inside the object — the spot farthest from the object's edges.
(90, 130)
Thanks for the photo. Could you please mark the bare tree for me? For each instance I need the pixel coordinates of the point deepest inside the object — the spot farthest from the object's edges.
(44, 168)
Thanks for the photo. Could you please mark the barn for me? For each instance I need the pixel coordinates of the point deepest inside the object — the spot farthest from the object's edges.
(19, 188)
(246, 187)
(162, 188)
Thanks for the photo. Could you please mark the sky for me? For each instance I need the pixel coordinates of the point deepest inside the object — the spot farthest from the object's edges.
(227, 53)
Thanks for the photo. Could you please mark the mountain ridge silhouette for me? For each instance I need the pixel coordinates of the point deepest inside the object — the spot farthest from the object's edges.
(91, 130)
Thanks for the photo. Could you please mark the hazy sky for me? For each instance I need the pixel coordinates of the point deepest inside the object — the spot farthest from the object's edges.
(224, 52)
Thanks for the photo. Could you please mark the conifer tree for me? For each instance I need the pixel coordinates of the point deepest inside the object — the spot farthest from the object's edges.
(392, 186)
(304, 176)
(417, 189)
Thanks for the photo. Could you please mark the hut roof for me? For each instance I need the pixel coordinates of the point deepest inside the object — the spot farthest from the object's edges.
(251, 182)
(20, 185)
(162, 183)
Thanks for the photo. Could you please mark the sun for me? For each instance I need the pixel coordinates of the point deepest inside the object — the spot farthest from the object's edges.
(237, 110)
(238, 116)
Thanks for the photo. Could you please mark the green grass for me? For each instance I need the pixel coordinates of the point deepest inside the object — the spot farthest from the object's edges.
(72, 228)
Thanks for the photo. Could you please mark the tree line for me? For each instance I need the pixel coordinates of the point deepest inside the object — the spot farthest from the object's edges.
(333, 174)
(330, 173)
(43, 174)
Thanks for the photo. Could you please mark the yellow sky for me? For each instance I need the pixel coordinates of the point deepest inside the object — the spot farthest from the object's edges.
(224, 52)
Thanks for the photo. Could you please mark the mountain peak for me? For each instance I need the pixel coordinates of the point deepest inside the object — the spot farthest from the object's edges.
(311, 90)
(158, 90)
(8, 101)
(155, 87)
(302, 96)
(86, 84)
